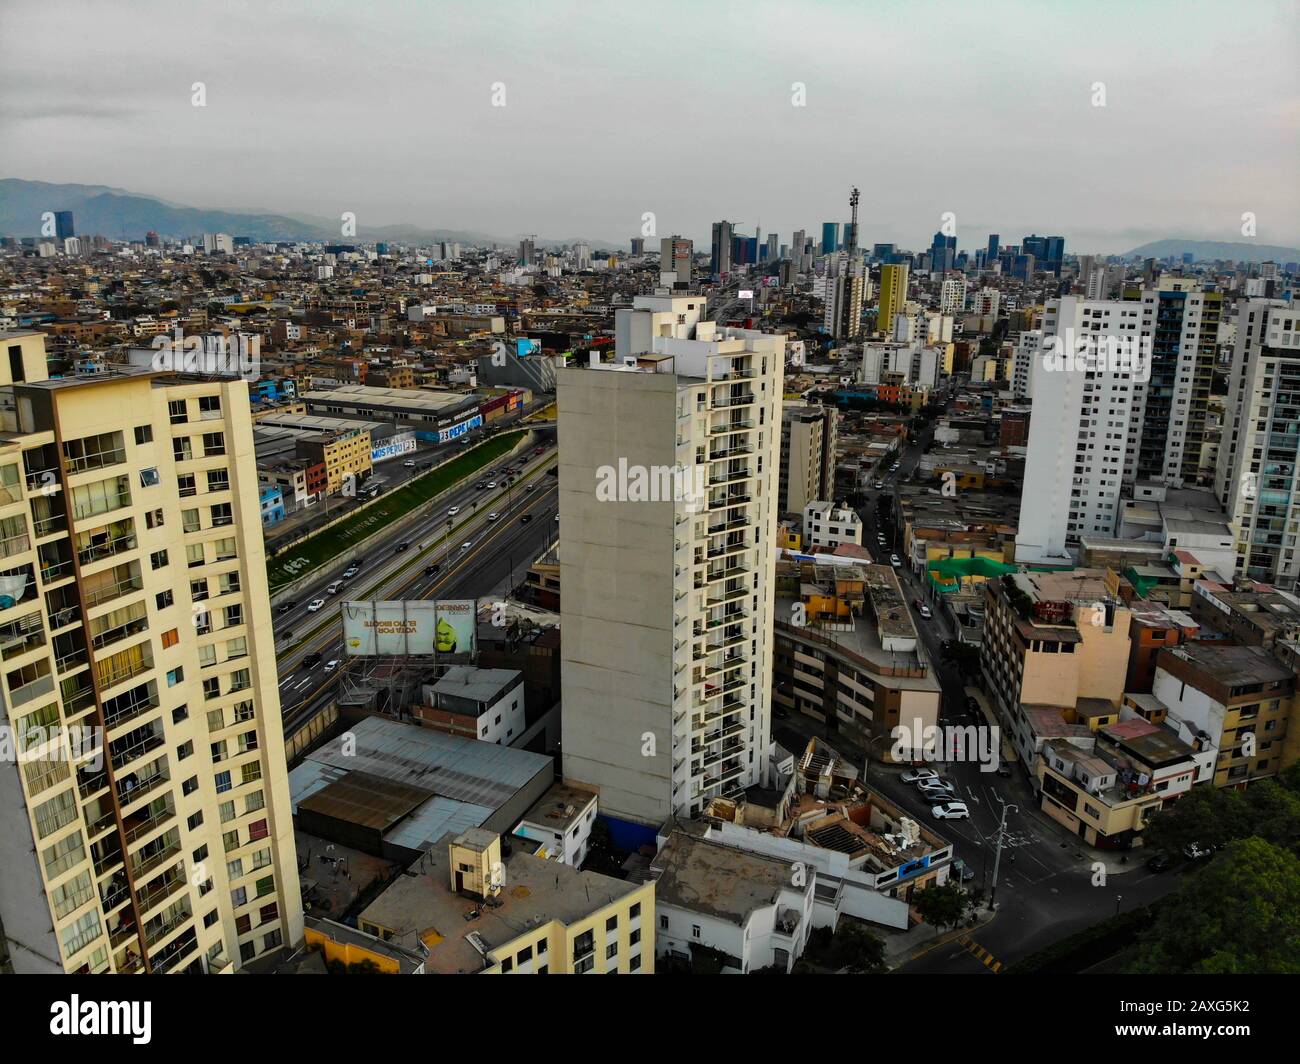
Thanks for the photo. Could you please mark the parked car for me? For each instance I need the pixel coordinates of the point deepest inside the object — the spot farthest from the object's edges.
(1196, 852)
(315, 604)
(1159, 862)
(951, 811)
(333, 589)
(918, 775)
(962, 871)
(935, 791)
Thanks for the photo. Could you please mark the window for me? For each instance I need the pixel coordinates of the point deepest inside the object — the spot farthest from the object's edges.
(176, 412)
(525, 955)
(210, 918)
(227, 811)
(230, 841)
(235, 868)
(214, 443)
(542, 947)
(663, 923)
(143, 434)
(170, 638)
(611, 950)
(611, 924)
(634, 963)
(158, 559)
(243, 924)
(695, 930)
(257, 830)
(635, 911)
(185, 750)
(190, 785)
(195, 821)
(175, 676)
(180, 713)
(223, 782)
(164, 599)
(507, 966)
(634, 937)
(271, 940)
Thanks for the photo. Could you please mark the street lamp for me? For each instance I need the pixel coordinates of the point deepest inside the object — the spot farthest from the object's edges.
(997, 857)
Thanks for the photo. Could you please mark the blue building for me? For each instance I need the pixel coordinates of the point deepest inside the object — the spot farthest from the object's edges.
(830, 237)
(272, 498)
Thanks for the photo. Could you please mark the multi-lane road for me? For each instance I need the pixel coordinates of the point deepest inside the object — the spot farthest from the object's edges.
(475, 554)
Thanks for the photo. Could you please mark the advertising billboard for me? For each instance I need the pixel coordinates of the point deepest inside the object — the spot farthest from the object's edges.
(460, 428)
(525, 346)
(419, 627)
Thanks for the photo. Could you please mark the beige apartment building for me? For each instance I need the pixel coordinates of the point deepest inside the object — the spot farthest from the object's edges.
(668, 465)
(146, 822)
(1052, 639)
(808, 438)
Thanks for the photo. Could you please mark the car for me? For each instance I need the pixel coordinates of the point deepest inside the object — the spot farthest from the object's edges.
(962, 871)
(480, 485)
(312, 660)
(530, 487)
(923, 609)
(285, 607)
(917, 775)
(409, 463)
(315, 604)
(494, 516)
(491, 483)
(334, 588)
(539, 450)
(878, 484)
(938, 795)
(525, 519)
(951, 811)
(936, 784)
(452, 511)
(402, 546)
(557, 519)
(1196, 852)
(1159, 862)
(895, 561)
(351, 571)
(331, 665)
(466, 545)
(429, 570)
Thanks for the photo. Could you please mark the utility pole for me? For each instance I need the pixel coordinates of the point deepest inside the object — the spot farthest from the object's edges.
(997, 857)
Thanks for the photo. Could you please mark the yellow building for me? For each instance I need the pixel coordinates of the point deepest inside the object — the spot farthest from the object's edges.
(893, 295)
(147, 825)
(344, 452)
(476, 912)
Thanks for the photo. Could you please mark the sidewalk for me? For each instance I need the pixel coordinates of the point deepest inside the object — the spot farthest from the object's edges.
(904, 946)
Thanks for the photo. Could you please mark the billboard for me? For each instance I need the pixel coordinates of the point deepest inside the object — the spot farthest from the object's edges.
(460, 428)
(525, 346)
(420, 627)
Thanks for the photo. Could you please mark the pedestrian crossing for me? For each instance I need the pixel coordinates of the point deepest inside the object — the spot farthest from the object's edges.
(980, 954)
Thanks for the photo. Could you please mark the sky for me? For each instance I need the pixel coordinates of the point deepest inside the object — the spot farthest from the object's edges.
(689, 111)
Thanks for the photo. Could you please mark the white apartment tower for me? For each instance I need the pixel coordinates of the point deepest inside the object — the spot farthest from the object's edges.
(145, 823)
(1259, 451)
(668, 594)
(1083, 432)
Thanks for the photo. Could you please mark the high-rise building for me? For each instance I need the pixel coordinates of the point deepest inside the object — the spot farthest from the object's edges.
(1259, 450)
(843, 303)
(992, 254)
(808, 437)
(1085, 422)
(720, 260)
(772, 251)
(952, 296)
(146, 817)
(893, 294)
(1048, 252)
(63, 227)
(638, 245)
(527, 251)
(797, 250)
(830, 237)
(675, 258)
(668, 462)
(1184, 323)
(218, 242)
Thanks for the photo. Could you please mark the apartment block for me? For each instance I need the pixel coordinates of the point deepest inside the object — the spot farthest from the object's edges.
(146, 818)
(668, 464)
(893, 295)
(1259, 450)
(474, 910)
(1052, 639)
(808, 439)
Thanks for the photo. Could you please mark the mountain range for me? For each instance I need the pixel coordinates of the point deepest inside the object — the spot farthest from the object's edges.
(122, 215)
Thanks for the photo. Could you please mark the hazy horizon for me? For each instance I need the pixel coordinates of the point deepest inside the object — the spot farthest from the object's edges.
(985, 111)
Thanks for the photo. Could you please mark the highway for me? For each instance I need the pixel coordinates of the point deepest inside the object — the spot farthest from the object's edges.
(473, 571)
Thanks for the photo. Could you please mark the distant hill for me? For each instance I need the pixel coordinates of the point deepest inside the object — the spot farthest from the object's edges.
(122, 215)
(1209, 250)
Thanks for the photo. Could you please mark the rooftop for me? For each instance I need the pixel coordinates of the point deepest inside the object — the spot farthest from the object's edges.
(715, 880)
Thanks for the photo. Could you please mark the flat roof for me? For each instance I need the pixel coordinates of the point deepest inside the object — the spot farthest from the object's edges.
(478, 685)
(715, 880)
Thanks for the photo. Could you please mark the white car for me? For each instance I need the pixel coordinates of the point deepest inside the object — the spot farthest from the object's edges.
(330, 666)
(409, 463)
(351, 571)
(453, 511)
(924, 611)
(314, 605)
(951, 811)
(494, 517)
(916, 775)
(895, 561)
(466, 545)
(492, 484)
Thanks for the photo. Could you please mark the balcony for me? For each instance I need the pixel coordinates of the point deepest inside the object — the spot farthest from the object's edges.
(107, 548)
(729, 476)
(37, 688)
(106, 591)
(734, 425)
(127, 707)
(123, 631)
(124, 932)
(170, 957)
(134, 746)
(163, 887)
(149, 819)
(110, 673)
(147, 861)
(158, 929)
(132, 787)
(723, 501)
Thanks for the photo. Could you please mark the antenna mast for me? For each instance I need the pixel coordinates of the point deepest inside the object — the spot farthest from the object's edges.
(853, 222)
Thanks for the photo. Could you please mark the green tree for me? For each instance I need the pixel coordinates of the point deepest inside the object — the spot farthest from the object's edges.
(941, 906)
(1240, 914)
(862, 951)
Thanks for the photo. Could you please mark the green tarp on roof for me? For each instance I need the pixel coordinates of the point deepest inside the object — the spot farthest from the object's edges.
(947, 573)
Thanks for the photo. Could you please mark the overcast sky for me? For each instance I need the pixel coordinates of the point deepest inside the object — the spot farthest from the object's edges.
(612, 109)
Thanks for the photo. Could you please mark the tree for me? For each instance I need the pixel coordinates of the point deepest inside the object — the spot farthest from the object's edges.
(863, 951)
(1215, 816)
(941, 906)
(1240, 914)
